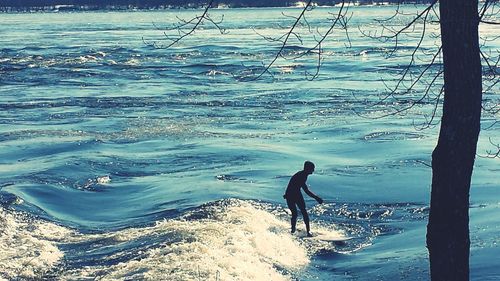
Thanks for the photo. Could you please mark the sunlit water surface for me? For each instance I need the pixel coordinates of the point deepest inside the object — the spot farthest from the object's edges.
(120, 161)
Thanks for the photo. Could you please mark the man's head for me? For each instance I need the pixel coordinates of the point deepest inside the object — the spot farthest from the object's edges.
(309, 167)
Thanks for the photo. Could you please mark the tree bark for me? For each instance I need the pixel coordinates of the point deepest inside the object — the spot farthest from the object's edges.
(453, 158)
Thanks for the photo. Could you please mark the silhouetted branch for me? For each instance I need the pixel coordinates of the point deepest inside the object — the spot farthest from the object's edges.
(492, 73)
(390, 34)
(301, 20)
(410, 24)
(284, 42)
(495, 153)
(489, 14)
(395, 34)
(416, 79)
(318, 66)
(491, 126)
(401, 87)
(186, 28)
(394, 91)
(489, 5)
(429, 121)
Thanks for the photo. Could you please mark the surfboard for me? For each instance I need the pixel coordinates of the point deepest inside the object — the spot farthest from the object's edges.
(330, 236)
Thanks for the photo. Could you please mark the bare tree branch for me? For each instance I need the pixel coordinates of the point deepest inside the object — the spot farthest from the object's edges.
(284, 42)
(192, 25)
(495, 153)
(339, 19)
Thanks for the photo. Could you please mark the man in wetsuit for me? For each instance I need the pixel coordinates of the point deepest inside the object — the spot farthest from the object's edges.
(294, 197)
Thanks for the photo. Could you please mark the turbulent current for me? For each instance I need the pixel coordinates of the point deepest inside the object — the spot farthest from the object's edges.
(123, 161)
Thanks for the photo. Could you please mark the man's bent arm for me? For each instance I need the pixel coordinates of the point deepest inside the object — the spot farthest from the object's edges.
(311, 194)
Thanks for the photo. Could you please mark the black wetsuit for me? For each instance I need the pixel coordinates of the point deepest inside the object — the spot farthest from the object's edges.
(294, 197)
(293, 194)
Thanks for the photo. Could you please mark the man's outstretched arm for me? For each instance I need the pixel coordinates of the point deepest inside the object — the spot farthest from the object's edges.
(311, 194)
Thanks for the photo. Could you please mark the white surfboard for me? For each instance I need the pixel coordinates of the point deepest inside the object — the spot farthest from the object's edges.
(324, 235)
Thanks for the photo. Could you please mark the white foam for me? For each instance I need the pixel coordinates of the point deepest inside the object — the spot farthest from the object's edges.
(233, 240)
(28, 247)
(241, 242)
(104, 180)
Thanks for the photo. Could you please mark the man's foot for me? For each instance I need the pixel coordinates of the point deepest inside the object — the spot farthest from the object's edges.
(309, 234)
(293, 230)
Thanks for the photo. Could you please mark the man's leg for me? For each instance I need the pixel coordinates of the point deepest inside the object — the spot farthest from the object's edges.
(293, 209)
(302, 207)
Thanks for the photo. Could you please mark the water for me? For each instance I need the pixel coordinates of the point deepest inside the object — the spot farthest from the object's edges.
(120, 161)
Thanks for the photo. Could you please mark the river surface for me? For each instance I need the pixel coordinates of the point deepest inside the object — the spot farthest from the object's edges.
(122, 161)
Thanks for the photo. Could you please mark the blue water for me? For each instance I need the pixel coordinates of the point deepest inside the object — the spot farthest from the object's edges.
(119, 161)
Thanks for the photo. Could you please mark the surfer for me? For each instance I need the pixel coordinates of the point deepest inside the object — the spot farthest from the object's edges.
(294, 197)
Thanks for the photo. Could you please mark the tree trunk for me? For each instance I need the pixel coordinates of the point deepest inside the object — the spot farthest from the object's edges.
(453, 158)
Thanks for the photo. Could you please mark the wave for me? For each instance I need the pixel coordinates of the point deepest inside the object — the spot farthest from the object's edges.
(28, 247)
(392, 136)
(229, 239)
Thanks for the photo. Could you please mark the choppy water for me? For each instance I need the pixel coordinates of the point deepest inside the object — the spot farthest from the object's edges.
(120, 161)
